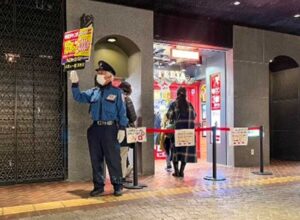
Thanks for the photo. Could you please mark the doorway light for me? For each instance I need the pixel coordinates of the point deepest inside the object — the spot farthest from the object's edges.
(11, 57)
(185, 54)
(236, 3)
(172, 63)
(297, 16)
(111, 39)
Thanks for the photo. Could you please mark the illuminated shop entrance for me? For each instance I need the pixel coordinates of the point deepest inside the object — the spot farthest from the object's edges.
(197, 69)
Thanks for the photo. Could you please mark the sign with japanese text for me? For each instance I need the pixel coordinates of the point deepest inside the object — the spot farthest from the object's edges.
(130, 135)
(238, 137)
(141, 134)
(184, 137)
(215, 91)
(74, 65)
(215, 102)
(134, 135)
(77, 45)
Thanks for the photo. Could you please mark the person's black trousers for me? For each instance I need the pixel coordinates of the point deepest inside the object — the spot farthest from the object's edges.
(103, 143)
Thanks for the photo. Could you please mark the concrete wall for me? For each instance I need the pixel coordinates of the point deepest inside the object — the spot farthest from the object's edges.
(216, 64)
(229, 102)
(114, 55)
(253, 49)
(136, 25)
(285, 111)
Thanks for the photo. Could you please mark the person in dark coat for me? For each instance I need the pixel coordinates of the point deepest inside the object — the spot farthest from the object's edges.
(131, 115)
(182, 114)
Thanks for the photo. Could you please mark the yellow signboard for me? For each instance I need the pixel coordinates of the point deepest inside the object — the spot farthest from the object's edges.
(77, 45)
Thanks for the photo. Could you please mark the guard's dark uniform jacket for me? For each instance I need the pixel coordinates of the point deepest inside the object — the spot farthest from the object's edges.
(108, 112)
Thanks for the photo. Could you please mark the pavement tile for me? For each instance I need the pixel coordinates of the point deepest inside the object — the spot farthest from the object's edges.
(242, 196)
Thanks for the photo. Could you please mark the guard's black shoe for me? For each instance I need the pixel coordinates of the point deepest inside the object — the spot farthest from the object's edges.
(117, 190)
(118, 193)
(97, 192)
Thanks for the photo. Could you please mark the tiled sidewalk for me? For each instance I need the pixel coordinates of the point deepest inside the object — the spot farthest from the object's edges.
(38, 199)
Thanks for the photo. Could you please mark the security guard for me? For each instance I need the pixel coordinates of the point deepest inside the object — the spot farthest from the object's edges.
(108, 112)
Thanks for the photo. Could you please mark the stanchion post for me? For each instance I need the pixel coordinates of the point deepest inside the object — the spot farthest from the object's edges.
(135, 168)
(135, 184)
(261, 148)
(261, 154)
(214, 157)
(214, 153)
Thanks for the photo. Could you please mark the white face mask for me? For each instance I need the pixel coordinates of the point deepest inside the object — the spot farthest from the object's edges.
(100, 79)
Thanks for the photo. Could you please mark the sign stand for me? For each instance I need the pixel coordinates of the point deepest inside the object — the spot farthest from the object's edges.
(135, 184)
(214, 159)
(261, 170)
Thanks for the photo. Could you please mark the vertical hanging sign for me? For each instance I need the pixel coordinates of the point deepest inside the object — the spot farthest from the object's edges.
(215, 102)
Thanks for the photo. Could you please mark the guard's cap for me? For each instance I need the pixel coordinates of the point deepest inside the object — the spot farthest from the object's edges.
(102, 65)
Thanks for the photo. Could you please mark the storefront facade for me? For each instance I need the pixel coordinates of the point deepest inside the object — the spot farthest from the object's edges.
(222, 66)
(227, 82)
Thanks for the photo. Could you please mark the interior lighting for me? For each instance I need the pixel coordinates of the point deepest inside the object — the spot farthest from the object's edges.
(185, 54)
(297, 16)
(111, 39)
(46, 56)
(172, 63)
(236, 3)
(11, 58)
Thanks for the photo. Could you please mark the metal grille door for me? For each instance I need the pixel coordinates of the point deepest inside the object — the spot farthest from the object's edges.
(32, 112)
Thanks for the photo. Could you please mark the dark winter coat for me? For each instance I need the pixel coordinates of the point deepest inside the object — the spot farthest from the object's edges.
(182, 121)
(131, 115)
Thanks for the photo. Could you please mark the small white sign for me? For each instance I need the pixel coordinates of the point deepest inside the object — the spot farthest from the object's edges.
(136, 135)
(238, 137)
(216, 121)
(130, 135)
(141, 135)
(184, 137)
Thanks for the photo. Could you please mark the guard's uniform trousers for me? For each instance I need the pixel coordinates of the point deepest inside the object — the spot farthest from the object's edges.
(103, 143)
(107, 109)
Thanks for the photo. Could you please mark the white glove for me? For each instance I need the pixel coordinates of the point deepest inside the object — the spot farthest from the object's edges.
(121, 135)
(74, 77)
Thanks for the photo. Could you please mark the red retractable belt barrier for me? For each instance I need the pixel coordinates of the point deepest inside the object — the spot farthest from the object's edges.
(157, 130)
(254, 128)
(223, 129)
(214, 177)
(170, 131)
(203, 129)
(228, 129)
